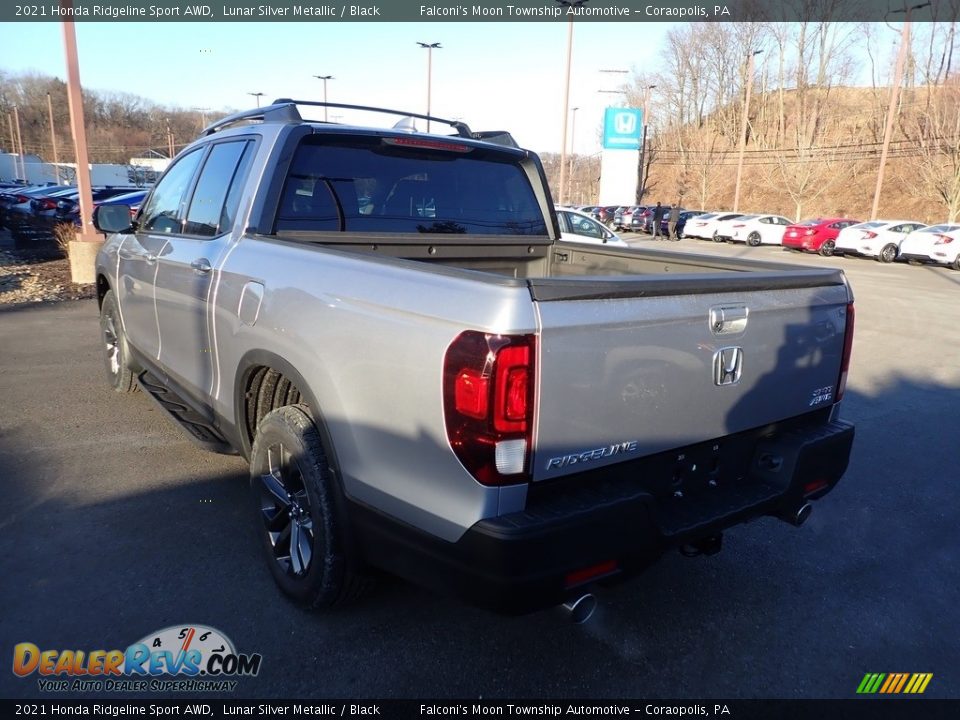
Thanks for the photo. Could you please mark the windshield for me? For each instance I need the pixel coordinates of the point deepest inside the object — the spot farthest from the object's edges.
(367, 184)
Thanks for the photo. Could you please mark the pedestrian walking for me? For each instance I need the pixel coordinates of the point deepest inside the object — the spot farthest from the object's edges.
(674, 219)
(658, 212)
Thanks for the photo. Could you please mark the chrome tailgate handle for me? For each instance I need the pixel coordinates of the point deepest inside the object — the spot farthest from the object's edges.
(728, 319)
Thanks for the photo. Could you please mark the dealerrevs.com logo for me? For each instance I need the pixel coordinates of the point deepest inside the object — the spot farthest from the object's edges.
(180, 658)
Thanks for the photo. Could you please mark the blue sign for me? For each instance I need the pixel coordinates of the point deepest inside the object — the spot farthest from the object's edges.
(622, 128)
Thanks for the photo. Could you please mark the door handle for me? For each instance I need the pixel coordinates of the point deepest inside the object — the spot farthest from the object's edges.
(201, 266)
(150, 258)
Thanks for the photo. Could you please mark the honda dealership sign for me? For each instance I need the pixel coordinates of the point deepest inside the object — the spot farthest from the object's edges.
(622, 128)
(622, 135)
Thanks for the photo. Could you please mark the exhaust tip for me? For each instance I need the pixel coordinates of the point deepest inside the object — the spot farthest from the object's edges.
(580, 609)
(802, 514)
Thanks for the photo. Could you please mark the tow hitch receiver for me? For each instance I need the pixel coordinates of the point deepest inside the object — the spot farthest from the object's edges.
(704, 546)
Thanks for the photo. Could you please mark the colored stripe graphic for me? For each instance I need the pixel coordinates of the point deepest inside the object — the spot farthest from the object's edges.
(894, 683)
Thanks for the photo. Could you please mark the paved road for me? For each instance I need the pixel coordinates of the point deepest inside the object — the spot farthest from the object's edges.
(112, 525)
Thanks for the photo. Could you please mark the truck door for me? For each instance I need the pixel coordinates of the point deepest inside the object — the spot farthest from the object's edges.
(160, 218)
(186, 274)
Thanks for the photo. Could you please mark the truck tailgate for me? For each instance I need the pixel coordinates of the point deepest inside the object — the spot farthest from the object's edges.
(624, 377)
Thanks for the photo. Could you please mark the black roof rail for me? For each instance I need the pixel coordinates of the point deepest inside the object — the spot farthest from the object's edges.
(279, 111)
(463, 130)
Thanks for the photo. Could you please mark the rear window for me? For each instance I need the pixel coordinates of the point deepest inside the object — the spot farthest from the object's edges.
(366, 185)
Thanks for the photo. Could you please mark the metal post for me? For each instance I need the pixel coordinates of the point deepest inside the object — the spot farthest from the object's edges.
(324, 78)
(642, 172)
(13, 136)
(573, 139)
(53, 137)
(429, 47)
(743, 128)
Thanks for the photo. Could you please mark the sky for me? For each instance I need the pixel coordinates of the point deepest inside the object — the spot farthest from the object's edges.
(493, 76)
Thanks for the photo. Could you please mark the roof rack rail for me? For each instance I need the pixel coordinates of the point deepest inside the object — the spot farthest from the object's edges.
(463, 130)
(280, 111)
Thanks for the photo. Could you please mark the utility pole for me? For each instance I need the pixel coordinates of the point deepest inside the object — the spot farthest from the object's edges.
(894, 101)
(743, 128)
(53, 137)
(643, 145)
(169, 140)
(429, 47)
(573, 139)
(13, 136)
(82, 252)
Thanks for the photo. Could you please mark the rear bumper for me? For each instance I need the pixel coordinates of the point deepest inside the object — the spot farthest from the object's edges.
(627, 515)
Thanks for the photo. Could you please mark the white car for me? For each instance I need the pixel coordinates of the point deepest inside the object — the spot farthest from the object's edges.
(946, 248)
(880, 239)
(920, 245)
(703, 226)
(755, 230)
(576, 226)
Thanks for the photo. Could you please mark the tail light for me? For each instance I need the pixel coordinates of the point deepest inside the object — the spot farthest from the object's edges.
(845, 358)
(944, 240)
(488, 384)
(739, 225)
(48, 204)
(812, 231)
(20, 199)
(868, 235)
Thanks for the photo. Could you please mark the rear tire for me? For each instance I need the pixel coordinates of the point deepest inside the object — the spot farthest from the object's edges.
(956, 263)
(299, 507)
(753, 240)
(826, 250)
(116, 354)
(716, 237)
(887, 254)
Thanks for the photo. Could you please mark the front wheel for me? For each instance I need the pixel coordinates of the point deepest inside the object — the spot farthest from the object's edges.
(302, 528)
(827, 248)
(888, 253)
(116, 355)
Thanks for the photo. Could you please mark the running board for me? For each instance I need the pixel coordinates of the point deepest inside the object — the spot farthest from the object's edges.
(200, 429)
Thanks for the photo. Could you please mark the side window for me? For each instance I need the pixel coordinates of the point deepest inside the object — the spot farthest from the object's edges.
(164, 212)
(208, 214)
(766, 220)
(588, 228)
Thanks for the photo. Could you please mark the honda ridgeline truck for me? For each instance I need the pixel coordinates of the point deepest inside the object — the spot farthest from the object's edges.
(425, 381)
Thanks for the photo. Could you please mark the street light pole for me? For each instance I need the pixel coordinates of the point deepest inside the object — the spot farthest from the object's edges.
(429, 47)
(324, 78)
(573, 139)
(743, 128)
(23, 161)
(894, 101)
(257, 95)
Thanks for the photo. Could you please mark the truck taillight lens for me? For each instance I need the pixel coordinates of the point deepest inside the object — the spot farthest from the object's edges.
(847, 349)
(488, 384)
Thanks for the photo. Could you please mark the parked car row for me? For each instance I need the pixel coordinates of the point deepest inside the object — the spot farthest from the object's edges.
(32, 213)
(884, 240)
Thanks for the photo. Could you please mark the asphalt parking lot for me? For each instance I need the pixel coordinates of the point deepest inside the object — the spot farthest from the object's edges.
(113, 525)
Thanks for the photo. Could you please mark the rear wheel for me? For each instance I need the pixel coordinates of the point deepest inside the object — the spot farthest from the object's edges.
(888, 253)
(298, 503)
(956, 263)
(753, 239)
(716, 237)
(827, 248)
(116, 355)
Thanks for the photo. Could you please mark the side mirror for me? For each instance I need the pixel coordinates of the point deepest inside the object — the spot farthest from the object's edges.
(112, 219)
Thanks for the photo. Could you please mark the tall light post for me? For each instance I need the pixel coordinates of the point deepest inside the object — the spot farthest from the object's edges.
(894, 101)
(566, 96)
(429, 47)
(324, 78)
(743, 128)
(573, 138)
(643, 145)
(23, 161)
(257, 95)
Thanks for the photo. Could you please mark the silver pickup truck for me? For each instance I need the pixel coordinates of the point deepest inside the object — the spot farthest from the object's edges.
(426, 381)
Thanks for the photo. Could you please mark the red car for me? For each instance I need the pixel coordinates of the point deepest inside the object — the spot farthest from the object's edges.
(817, 235)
